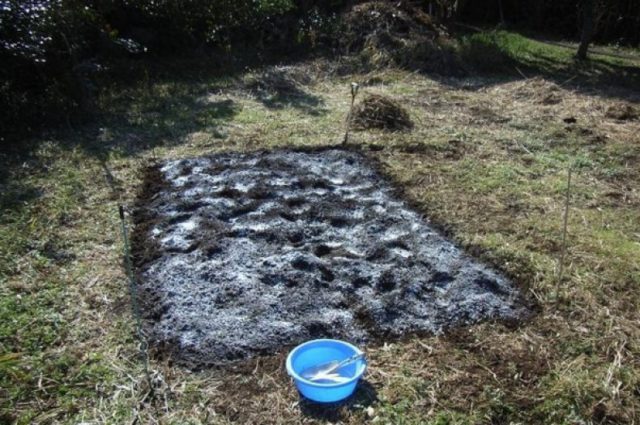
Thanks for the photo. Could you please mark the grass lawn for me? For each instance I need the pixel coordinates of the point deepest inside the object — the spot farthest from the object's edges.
(505, 51)
(487, 162)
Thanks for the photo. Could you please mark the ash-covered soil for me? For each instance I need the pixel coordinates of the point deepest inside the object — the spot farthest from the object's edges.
(244, 254)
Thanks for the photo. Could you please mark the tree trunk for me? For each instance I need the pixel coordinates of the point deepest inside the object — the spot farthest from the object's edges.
(587, 29)
(539, 10)
(501, 12)
(459, 8)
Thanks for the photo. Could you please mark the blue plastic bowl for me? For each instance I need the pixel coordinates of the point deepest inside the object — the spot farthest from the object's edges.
(320, 351)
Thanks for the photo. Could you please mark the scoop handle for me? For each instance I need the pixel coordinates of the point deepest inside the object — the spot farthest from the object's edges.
(347, 361)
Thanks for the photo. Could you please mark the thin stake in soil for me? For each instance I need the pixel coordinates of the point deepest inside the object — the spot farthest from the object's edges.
(133, 292)
(564, 237)
(354, 93)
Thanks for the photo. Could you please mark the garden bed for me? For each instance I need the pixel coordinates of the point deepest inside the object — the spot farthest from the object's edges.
(243, 254)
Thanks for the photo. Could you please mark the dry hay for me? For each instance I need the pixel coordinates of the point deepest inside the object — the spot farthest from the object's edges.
(389, 34)
(538, 90)
(622, 112)
(376, 111)
(532, 97)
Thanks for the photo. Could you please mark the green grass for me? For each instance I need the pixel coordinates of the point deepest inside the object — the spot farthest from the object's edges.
(506, 51)
(35, 277)
(491, 172)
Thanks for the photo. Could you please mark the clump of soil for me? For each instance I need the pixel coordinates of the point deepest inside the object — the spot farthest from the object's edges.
(386, 33)
(622, 112)
(376, 111)
(241, 255)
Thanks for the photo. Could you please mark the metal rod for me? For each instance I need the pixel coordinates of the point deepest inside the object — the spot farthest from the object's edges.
(133, 293)
(564, 237)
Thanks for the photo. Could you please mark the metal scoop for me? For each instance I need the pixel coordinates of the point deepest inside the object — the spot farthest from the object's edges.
(329, 371)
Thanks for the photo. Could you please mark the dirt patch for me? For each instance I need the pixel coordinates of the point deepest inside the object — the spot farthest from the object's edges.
(376, 111)
(256, 252)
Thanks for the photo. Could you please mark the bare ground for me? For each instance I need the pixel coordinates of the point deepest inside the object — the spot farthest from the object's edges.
(247, 254)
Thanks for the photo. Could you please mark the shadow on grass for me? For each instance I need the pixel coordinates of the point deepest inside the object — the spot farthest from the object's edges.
(279, 88)
(160, 120)
(136, 123)
(364, 396)
(298, 99)
(169, 113)
(140, 119)
(15, 195)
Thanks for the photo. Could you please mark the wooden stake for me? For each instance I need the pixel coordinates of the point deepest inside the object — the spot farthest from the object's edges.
(354, 93)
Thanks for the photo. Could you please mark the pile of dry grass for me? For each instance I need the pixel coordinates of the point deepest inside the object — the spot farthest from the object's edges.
(385, 34)
(377, 111)
(622, 112)
(538, 90)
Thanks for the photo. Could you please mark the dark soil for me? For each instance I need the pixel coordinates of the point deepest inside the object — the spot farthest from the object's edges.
(244, 254)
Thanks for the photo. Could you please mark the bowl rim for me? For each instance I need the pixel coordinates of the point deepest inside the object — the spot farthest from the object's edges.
(297, 377)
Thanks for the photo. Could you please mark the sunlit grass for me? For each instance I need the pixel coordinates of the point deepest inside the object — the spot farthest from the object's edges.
(511, 52)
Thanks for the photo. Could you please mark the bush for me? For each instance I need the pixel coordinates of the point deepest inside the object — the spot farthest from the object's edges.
(42, 46)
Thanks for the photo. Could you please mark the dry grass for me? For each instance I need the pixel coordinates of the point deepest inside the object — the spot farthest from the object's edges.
(486, 162)
(622, 112)
(381, 34)
(376, 111)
